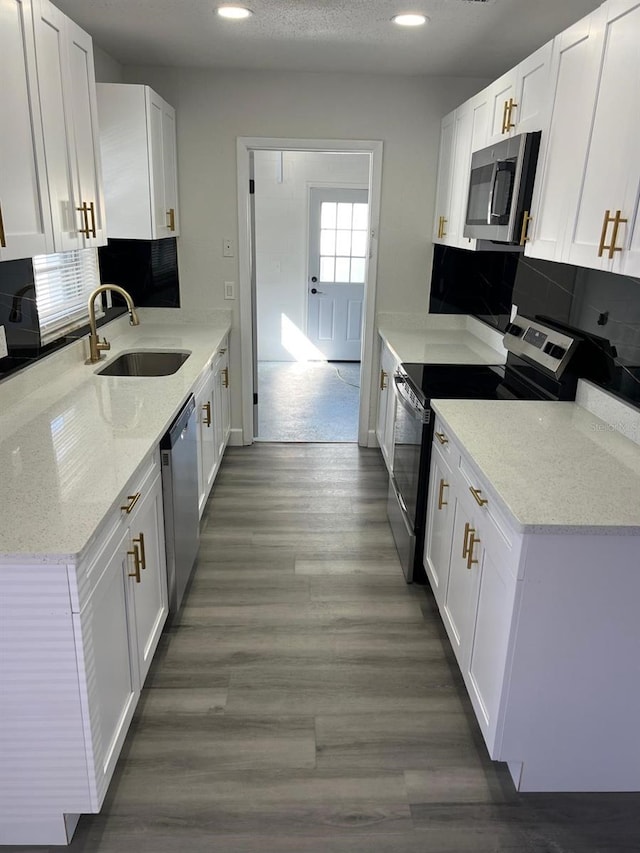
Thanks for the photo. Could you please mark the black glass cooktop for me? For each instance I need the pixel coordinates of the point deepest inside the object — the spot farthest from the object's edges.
(454, 381)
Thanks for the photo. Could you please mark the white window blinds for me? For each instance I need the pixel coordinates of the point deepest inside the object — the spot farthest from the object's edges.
(63, 283)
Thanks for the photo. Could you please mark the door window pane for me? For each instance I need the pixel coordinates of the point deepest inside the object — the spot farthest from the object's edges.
(344, 215)
(326, 269)
(328, 214)
(343, 243)
(327, 242)
(357, 270)
(360, 217)
(342, 269)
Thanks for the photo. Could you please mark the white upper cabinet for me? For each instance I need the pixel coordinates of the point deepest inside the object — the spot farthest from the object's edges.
(445, 170)
(138, 143)
(589, 186)
(519, 100)
(457, 132)
(25, 221)
(66, 83)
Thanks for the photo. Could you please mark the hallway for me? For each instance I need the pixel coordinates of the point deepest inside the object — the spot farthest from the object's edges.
(307, 700)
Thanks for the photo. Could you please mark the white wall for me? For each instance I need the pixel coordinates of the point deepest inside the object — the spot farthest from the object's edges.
(214, 108)
(281, 205)
(108, 70)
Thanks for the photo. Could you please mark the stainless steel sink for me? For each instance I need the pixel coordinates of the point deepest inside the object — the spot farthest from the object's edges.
(145, 363)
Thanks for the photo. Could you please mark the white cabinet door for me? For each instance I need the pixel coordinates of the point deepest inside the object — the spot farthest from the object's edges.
(519, 101)
(147, 573)
(207, 457)
(66, 84)
(574, 79)
(386, 406)
(461, 590)
(221, 411)
(453, 229)
(611, 172)
(109, 686)
(138, 145)
(445, 169)
(25, 220)
(439, 526)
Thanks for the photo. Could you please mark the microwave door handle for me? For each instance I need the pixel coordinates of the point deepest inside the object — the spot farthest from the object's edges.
(494, 178)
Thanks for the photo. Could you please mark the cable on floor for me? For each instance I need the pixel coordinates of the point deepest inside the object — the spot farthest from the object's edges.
(342, 379)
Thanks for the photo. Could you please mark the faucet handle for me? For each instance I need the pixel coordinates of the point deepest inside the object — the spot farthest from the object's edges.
(103, 344)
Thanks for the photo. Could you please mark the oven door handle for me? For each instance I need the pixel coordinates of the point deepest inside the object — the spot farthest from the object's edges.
(419, 413)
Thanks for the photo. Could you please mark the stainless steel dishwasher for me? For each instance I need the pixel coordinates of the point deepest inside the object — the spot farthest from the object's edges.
(179, 452)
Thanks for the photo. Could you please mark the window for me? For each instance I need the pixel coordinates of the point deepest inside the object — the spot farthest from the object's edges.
(343, 242)
(63, 283)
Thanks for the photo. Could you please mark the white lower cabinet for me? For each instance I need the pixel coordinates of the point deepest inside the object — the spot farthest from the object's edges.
(548, 653)
(79, 642)
(386, 405)
(214, 420)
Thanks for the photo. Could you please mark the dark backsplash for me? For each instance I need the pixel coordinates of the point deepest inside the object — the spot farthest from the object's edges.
(486, 284)
(147, 269)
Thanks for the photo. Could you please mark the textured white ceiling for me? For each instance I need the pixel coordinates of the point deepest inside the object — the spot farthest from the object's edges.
(463, 38)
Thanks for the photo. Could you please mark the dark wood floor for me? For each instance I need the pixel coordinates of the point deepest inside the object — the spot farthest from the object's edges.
(307, 700)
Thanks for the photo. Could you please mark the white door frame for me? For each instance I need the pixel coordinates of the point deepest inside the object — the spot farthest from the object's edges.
(245, 144)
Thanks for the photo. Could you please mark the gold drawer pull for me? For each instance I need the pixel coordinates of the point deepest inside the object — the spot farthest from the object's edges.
(171, 213)
(476, 493)
(614, 237)
(3, 237)
(136, 560)
(383, 379)
(441, 500)
(225, 377)
(504, 117)
(442, 438)
(473, 540)
(84, 210)
(207, 409)
(511, 106)
(133, 500)
(91, 231)
(143, 556)
(222, 351)
(468, 532)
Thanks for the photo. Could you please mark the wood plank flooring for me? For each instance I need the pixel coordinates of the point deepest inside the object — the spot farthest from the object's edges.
(307, 701)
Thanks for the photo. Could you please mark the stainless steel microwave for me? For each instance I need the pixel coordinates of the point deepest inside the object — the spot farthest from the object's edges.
(500, 189)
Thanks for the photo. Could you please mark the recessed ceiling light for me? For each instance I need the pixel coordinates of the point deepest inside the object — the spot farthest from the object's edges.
(235, 12)
(410, 20)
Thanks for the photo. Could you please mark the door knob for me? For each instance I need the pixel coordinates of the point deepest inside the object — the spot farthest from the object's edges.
(314, 278)
(315, 290)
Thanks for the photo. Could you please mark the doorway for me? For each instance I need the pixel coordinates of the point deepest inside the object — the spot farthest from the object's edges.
(304, 345)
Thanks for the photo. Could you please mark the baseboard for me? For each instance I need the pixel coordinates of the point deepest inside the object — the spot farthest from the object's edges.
(372, 440)
(235, 438)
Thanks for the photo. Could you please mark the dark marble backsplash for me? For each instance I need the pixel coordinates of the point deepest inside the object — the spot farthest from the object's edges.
(147, 269)
(487, 284)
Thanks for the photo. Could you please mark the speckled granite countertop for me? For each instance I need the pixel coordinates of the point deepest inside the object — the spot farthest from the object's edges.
(441, 339)
(70, 445)
(554, 467)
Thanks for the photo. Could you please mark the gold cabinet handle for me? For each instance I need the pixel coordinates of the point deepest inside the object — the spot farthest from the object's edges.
(473, 540)
(207, 409)
(443, 233)
(225, 377)
(476, 493)
(442, 438)
(172, 219)
(468, 532)
(504, 117)
(222, 351)
(143, 556)
(133, 500)
(383, 379)
(92, 211)
(3, 238)
(614, 236)
(136, 561)
(441, 500)
(526, 219)
(511, 106)
(605, 224)
(84, 210)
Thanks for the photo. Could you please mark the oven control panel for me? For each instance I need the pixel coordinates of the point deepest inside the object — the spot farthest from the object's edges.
(541, 344)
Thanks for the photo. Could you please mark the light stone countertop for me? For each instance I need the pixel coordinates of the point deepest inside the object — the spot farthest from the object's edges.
(554, 467)
(69, 445)
(441, 339)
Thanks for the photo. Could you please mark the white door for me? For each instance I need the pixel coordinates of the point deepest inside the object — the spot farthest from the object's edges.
(338, 252)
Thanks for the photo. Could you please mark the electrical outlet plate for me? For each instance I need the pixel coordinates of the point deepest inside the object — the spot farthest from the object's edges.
(227, 247)
(3, 343)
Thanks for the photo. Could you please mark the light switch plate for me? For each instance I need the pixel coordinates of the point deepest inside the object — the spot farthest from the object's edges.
(229, 290)
(3, 343)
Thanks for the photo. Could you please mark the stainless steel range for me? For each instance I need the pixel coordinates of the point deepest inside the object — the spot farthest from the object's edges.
(544, 362)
